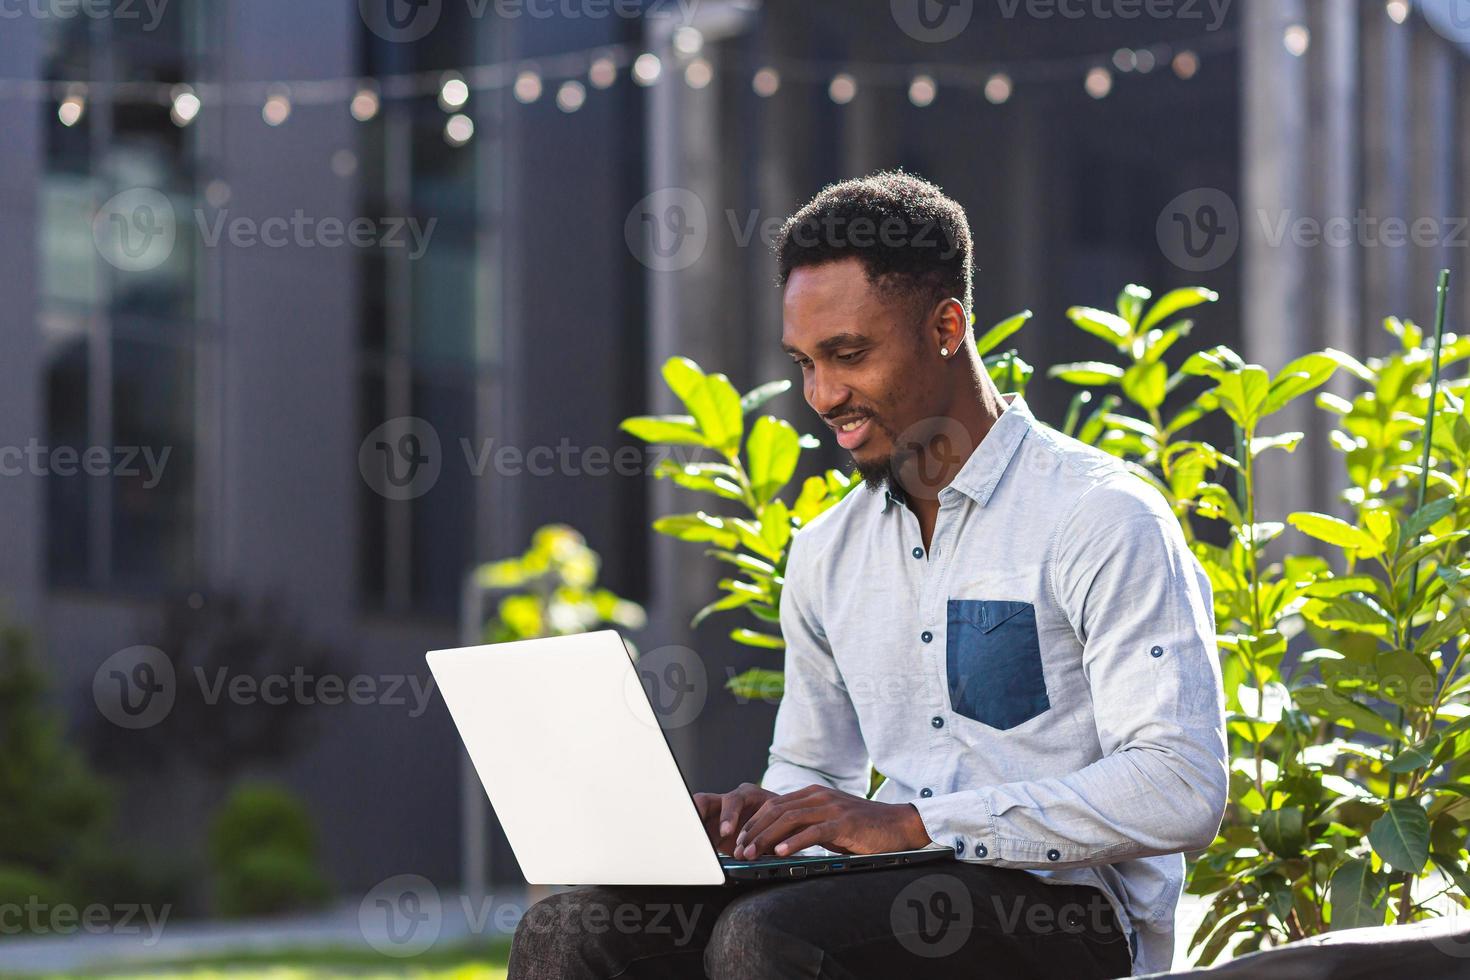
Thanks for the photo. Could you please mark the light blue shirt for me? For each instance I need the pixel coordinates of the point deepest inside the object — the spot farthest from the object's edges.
(1042, 684)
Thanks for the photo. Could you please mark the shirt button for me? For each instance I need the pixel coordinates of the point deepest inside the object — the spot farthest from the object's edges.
(926, 636)
(1053, 855)
(959, 847)
(926, 792)
(980, 850)
(918, 552)
(1157, 652)
(937, 721)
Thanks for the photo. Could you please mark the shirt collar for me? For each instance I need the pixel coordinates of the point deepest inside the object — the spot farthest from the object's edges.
(987, 464)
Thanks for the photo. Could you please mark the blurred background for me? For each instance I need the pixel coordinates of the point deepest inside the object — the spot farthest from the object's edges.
(311, 309)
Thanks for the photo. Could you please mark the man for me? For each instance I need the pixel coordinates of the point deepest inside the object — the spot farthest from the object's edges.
(1009, 628)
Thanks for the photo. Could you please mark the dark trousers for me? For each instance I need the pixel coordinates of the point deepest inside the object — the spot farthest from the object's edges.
(952, 920)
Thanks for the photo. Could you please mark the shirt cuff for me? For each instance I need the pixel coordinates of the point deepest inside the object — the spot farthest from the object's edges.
(963, 821)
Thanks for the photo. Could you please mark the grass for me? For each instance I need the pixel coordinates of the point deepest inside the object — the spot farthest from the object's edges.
(484, 961)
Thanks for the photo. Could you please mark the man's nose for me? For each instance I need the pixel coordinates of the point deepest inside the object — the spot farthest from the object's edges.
(824, 394)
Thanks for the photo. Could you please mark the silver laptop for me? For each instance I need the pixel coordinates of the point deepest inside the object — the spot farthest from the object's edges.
(570, 752)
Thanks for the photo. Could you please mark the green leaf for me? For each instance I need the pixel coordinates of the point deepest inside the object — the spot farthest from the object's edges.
(1325, 527)
(715, 405)
(1283, 830)
(1426, 517)
(682, 376)
(1346, 613)
(1130, 302)
(1144, 383)
(1091, 373)
(1242, 393)
(1286, 440)
(752, 638)
(732, 601)
(678, 430)
(776, 525)
(743, 561)
(1307, 373)
(997, 334)
(756, 398)
(1416, 756)
(1401, 836)
(697, 527)
(1100, 323)
(1359, 897)
(758, 684)
(1215, 363)
(1174, 301)
(773, 450)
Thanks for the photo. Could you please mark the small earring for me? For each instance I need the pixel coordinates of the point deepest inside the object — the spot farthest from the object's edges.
(944, 352)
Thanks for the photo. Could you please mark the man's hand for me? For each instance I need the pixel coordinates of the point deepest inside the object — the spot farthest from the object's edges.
(838, 821)
(724, 813)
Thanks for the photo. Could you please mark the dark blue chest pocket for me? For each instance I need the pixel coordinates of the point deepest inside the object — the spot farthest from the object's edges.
(993, 659)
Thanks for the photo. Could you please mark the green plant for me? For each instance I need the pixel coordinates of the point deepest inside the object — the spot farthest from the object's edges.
(262, 846)
(553, 590)
(1348, 712)
(755, 543)
(1315, 820)
(51, 803)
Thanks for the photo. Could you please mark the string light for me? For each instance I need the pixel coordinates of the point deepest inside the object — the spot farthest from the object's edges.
(365, 104)
(603, 73)
(186, 106)
(571, 95)
(573, 73)
(1397, 10)
(72, 108)
(647, 68)
(277, 108)
(698, 73)
(922, 91)
(1297, 39)
(688, 41)
(453, 93)
(459, 129)
(843, 88)
(998, 88)
(528, 87)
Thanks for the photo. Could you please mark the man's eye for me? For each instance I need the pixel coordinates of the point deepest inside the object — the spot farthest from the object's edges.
(850, 357)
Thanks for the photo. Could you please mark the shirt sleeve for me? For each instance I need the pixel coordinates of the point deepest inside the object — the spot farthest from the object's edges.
(817, 739)
(1141, 604)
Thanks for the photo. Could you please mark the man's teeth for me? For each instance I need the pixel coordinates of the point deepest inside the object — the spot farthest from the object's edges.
(848, 427)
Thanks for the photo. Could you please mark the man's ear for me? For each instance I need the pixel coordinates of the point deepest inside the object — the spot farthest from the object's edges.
(951, 325)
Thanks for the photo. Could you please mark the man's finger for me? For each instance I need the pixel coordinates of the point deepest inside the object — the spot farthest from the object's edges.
(785, 825)
(818, 833)
(731, 806)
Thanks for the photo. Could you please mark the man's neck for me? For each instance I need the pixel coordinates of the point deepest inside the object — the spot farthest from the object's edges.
(976, 414)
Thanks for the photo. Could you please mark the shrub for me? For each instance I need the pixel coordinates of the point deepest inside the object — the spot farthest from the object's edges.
(262, 846)
(1348, 713)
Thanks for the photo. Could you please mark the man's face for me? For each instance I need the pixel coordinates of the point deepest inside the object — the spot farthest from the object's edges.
(868, 366)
